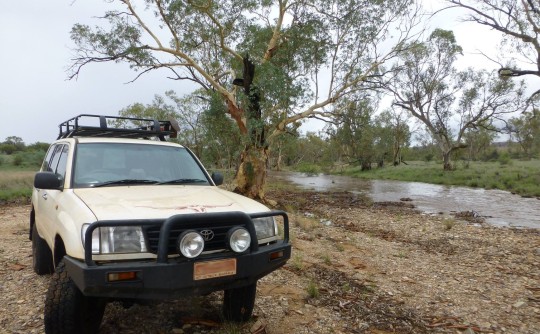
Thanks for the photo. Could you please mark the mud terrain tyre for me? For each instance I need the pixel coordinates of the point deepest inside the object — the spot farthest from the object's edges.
(42, 260)
(67, 310)
(238, 303)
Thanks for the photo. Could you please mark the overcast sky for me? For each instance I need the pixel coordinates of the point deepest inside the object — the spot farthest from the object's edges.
(35, 95)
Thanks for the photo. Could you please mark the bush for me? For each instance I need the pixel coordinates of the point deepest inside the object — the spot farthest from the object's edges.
(28, 159)
(308, 168)
(18, 160)
(504, 159)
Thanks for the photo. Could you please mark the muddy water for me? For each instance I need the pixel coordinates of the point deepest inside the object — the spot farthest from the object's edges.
(498, 207)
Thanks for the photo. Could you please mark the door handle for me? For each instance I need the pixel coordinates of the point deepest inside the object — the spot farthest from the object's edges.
(44, 196)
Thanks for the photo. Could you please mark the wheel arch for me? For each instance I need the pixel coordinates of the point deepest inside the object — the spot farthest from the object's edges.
(59, 250)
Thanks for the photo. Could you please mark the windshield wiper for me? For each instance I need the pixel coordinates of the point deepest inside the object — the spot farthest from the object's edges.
(125, 181)
(183, 181)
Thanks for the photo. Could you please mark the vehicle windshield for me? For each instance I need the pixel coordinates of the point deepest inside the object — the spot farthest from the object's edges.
(117, 164)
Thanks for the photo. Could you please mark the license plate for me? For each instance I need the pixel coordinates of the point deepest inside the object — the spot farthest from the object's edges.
(213, 269)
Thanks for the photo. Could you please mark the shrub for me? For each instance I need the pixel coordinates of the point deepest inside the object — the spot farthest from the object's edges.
(308, 168)
(313, 290)
(18, 160)
(504, 159)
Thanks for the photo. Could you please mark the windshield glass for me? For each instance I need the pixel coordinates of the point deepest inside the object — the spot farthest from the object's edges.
(116, 164)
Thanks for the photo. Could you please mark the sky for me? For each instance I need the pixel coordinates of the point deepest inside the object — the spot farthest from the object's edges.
(35, 52)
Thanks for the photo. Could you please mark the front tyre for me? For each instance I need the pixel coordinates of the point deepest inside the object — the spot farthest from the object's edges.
(238, 303)
(42, 259)
(67, 310)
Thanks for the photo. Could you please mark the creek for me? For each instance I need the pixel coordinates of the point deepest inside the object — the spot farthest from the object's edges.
(497, 207)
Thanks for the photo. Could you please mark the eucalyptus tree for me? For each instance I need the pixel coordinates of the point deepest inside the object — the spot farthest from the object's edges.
(395, 125)
(478, 141)
(355, 132)
(447, 102)
(519, 23)
(525, 129)
(272, 63)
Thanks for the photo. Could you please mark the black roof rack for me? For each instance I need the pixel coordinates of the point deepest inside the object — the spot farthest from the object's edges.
(117, 127)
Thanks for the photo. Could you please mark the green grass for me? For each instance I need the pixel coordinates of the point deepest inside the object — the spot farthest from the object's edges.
(520, 177)
(15, 184)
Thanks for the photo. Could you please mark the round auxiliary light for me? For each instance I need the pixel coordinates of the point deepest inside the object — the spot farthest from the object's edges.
(239, 239)
(190, 244)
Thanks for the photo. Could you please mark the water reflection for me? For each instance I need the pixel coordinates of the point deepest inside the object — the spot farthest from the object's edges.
(499, 207)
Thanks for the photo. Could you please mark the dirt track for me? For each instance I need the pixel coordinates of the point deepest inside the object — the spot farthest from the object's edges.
(371, 270)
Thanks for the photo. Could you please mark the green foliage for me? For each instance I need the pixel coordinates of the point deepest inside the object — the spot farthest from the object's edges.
(29, 159)
(12, 144)
(504, 159)
(308, 168)
(525, 129)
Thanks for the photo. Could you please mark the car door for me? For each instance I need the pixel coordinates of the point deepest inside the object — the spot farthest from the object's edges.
(46, 208)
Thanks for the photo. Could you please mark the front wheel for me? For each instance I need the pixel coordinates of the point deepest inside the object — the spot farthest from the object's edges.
(238, 303)
(67, 310)
(42, 260)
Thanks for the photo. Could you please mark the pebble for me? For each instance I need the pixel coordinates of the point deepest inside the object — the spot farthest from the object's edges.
(519, 304)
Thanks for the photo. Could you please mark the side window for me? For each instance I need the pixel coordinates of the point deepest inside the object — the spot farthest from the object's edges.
(62, 161)
(47, 160)
(55, 157)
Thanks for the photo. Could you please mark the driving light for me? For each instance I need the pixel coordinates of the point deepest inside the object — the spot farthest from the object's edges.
(190, 244)
(239, 239)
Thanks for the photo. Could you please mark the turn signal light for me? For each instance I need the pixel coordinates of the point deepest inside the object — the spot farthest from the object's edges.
(276, 255)
(122, 276)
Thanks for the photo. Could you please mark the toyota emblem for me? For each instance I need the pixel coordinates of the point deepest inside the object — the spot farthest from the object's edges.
(207, 235)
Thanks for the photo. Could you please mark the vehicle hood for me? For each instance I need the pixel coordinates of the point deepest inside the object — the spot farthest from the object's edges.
(155, 202)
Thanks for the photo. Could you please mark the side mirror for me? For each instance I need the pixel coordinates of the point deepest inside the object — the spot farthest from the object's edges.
(217, 178)
(48, 180)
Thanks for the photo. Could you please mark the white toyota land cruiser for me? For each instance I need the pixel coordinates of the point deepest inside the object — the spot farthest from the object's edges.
(119, 218)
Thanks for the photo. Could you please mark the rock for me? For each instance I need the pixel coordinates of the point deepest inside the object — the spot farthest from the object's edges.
(519, 304)
(406, 199)
(326, 222)
(469, 331)
(178, 331)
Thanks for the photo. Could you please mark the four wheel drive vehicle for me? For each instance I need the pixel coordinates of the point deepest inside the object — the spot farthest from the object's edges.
(118, 218)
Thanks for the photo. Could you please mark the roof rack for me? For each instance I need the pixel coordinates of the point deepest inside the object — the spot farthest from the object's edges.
(117, 127)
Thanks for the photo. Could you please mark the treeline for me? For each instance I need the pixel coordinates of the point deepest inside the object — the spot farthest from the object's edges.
(17, 153)
(361, 136)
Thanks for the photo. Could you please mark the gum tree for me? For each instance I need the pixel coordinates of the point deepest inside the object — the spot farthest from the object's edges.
(272, 63)
(447, 102)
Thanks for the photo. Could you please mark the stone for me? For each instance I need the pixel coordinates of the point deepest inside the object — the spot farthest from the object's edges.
(519, 304)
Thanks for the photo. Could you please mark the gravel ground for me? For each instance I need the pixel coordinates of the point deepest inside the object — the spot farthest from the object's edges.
(356, 268)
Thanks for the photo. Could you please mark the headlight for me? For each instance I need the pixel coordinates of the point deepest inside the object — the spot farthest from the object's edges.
(118, 239)
(265, 227)
(190, 244)
(239, 239)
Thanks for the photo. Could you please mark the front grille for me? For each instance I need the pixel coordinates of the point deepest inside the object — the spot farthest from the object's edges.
(219, 241)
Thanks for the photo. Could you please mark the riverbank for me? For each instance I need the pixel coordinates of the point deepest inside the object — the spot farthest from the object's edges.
(520, 177)
(357, 267)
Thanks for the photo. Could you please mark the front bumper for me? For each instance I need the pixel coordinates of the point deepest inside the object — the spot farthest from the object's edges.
(169, 278)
